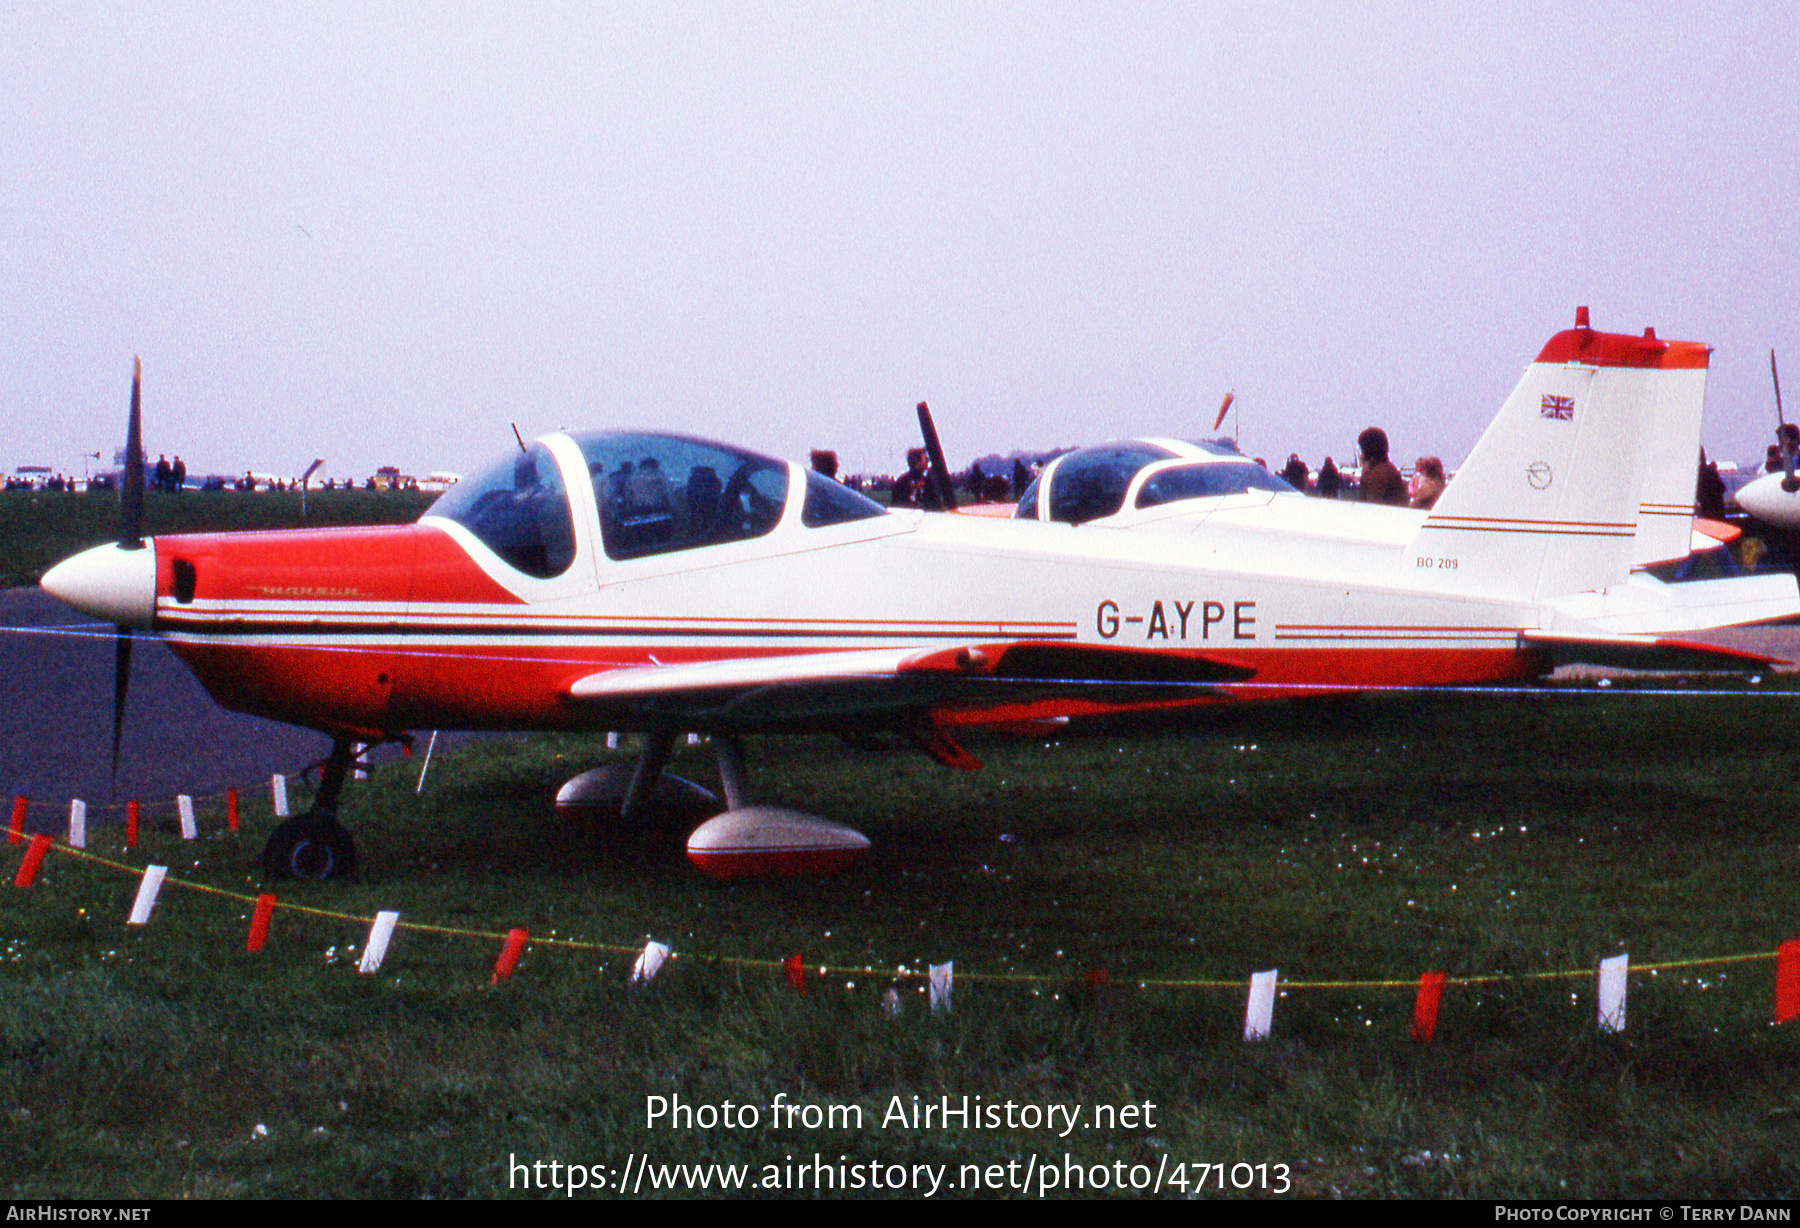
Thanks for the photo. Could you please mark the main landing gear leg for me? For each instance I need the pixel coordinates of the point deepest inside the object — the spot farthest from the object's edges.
(312, 845)
(655, 757)
(730, 750)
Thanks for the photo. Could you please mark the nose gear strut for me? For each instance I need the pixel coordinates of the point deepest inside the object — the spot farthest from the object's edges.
(314, 846)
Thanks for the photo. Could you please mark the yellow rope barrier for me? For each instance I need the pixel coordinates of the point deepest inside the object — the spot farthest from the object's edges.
(900, 972)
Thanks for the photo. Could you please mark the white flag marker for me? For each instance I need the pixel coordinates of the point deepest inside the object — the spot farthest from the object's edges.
(612, 741)
(1612, 993)
(1261, 1009)
(146, 896)
(278, 785)
(77, 824)
(943, 980)
(185, 805)
(649, 963)
(376, 948)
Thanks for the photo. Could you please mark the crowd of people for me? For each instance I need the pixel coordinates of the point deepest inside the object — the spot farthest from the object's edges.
(170, 477)
(1376, 480)
(1380, 480)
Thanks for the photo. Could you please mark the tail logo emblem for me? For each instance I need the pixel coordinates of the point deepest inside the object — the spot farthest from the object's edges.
(1539, 475)
(1560, 408)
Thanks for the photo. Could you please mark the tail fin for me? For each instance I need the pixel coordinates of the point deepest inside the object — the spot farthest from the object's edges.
(1580, 462)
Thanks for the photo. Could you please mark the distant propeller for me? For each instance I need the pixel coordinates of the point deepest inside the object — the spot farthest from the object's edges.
(1785, 435)
(946, 492)
(1224, 407)
(131, 494)
(131, 537)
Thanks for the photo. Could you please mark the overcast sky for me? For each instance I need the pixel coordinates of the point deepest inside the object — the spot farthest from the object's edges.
(379, 234)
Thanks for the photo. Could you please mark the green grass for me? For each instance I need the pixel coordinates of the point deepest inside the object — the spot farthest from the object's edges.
(1362, 840)
(39, 529)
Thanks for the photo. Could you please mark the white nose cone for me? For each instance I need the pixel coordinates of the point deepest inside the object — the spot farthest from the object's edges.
(108, 582)
(1765, 500)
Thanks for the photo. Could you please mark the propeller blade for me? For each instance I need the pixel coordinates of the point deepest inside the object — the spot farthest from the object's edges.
(121, 683)
(131, 493)
(934, 449)
(131, 537)
(1223, 407)
(1775, 375)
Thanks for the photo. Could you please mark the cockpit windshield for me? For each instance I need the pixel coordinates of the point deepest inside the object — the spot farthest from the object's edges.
(829, 501)
(662, 493)
(520, 510)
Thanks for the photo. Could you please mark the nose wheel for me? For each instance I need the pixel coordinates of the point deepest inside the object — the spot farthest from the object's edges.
(314, 846)
(310, 850)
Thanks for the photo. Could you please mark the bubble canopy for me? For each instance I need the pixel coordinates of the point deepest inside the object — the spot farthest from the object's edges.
(1098, 482)
(656, 493)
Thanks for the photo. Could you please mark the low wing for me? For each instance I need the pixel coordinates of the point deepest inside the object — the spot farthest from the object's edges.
(898, 688)
(1642, 652)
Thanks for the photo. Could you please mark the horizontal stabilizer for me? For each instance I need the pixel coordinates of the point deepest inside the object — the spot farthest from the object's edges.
(1642, 652)
(817, 690)
(1648, 607)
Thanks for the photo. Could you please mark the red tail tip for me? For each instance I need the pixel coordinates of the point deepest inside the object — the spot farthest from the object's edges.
(1581, 318)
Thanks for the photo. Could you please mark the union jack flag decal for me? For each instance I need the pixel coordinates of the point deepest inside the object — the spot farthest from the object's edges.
(1558, 407)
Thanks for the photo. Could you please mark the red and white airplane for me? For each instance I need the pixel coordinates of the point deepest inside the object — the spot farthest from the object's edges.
(649, 581)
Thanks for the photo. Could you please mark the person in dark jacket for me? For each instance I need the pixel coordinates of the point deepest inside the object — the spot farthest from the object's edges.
(1381, 482)
(1709, 491)
(1329, 481)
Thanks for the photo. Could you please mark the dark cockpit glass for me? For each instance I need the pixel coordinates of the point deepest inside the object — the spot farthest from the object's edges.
(829, 501)
(1027, 509)
(520, 510)
(1092, 482)
(662, 493)
(1206, 481)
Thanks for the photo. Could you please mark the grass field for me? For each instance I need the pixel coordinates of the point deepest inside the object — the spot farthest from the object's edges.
(39, 529)
(1501, 836)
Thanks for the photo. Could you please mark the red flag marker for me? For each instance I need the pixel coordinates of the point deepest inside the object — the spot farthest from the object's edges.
(15, 832)
(231, 808)
(132, 811)
(510, 951)
(34, 857)
(796, 973)
(259, 922)
(1425, 1007)
(1787, 980)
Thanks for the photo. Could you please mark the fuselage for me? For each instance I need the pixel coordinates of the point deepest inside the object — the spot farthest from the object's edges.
(483, 615)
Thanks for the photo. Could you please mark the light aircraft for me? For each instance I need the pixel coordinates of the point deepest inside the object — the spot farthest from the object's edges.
(1769, 500)
(648, 581)
(1774, 498)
